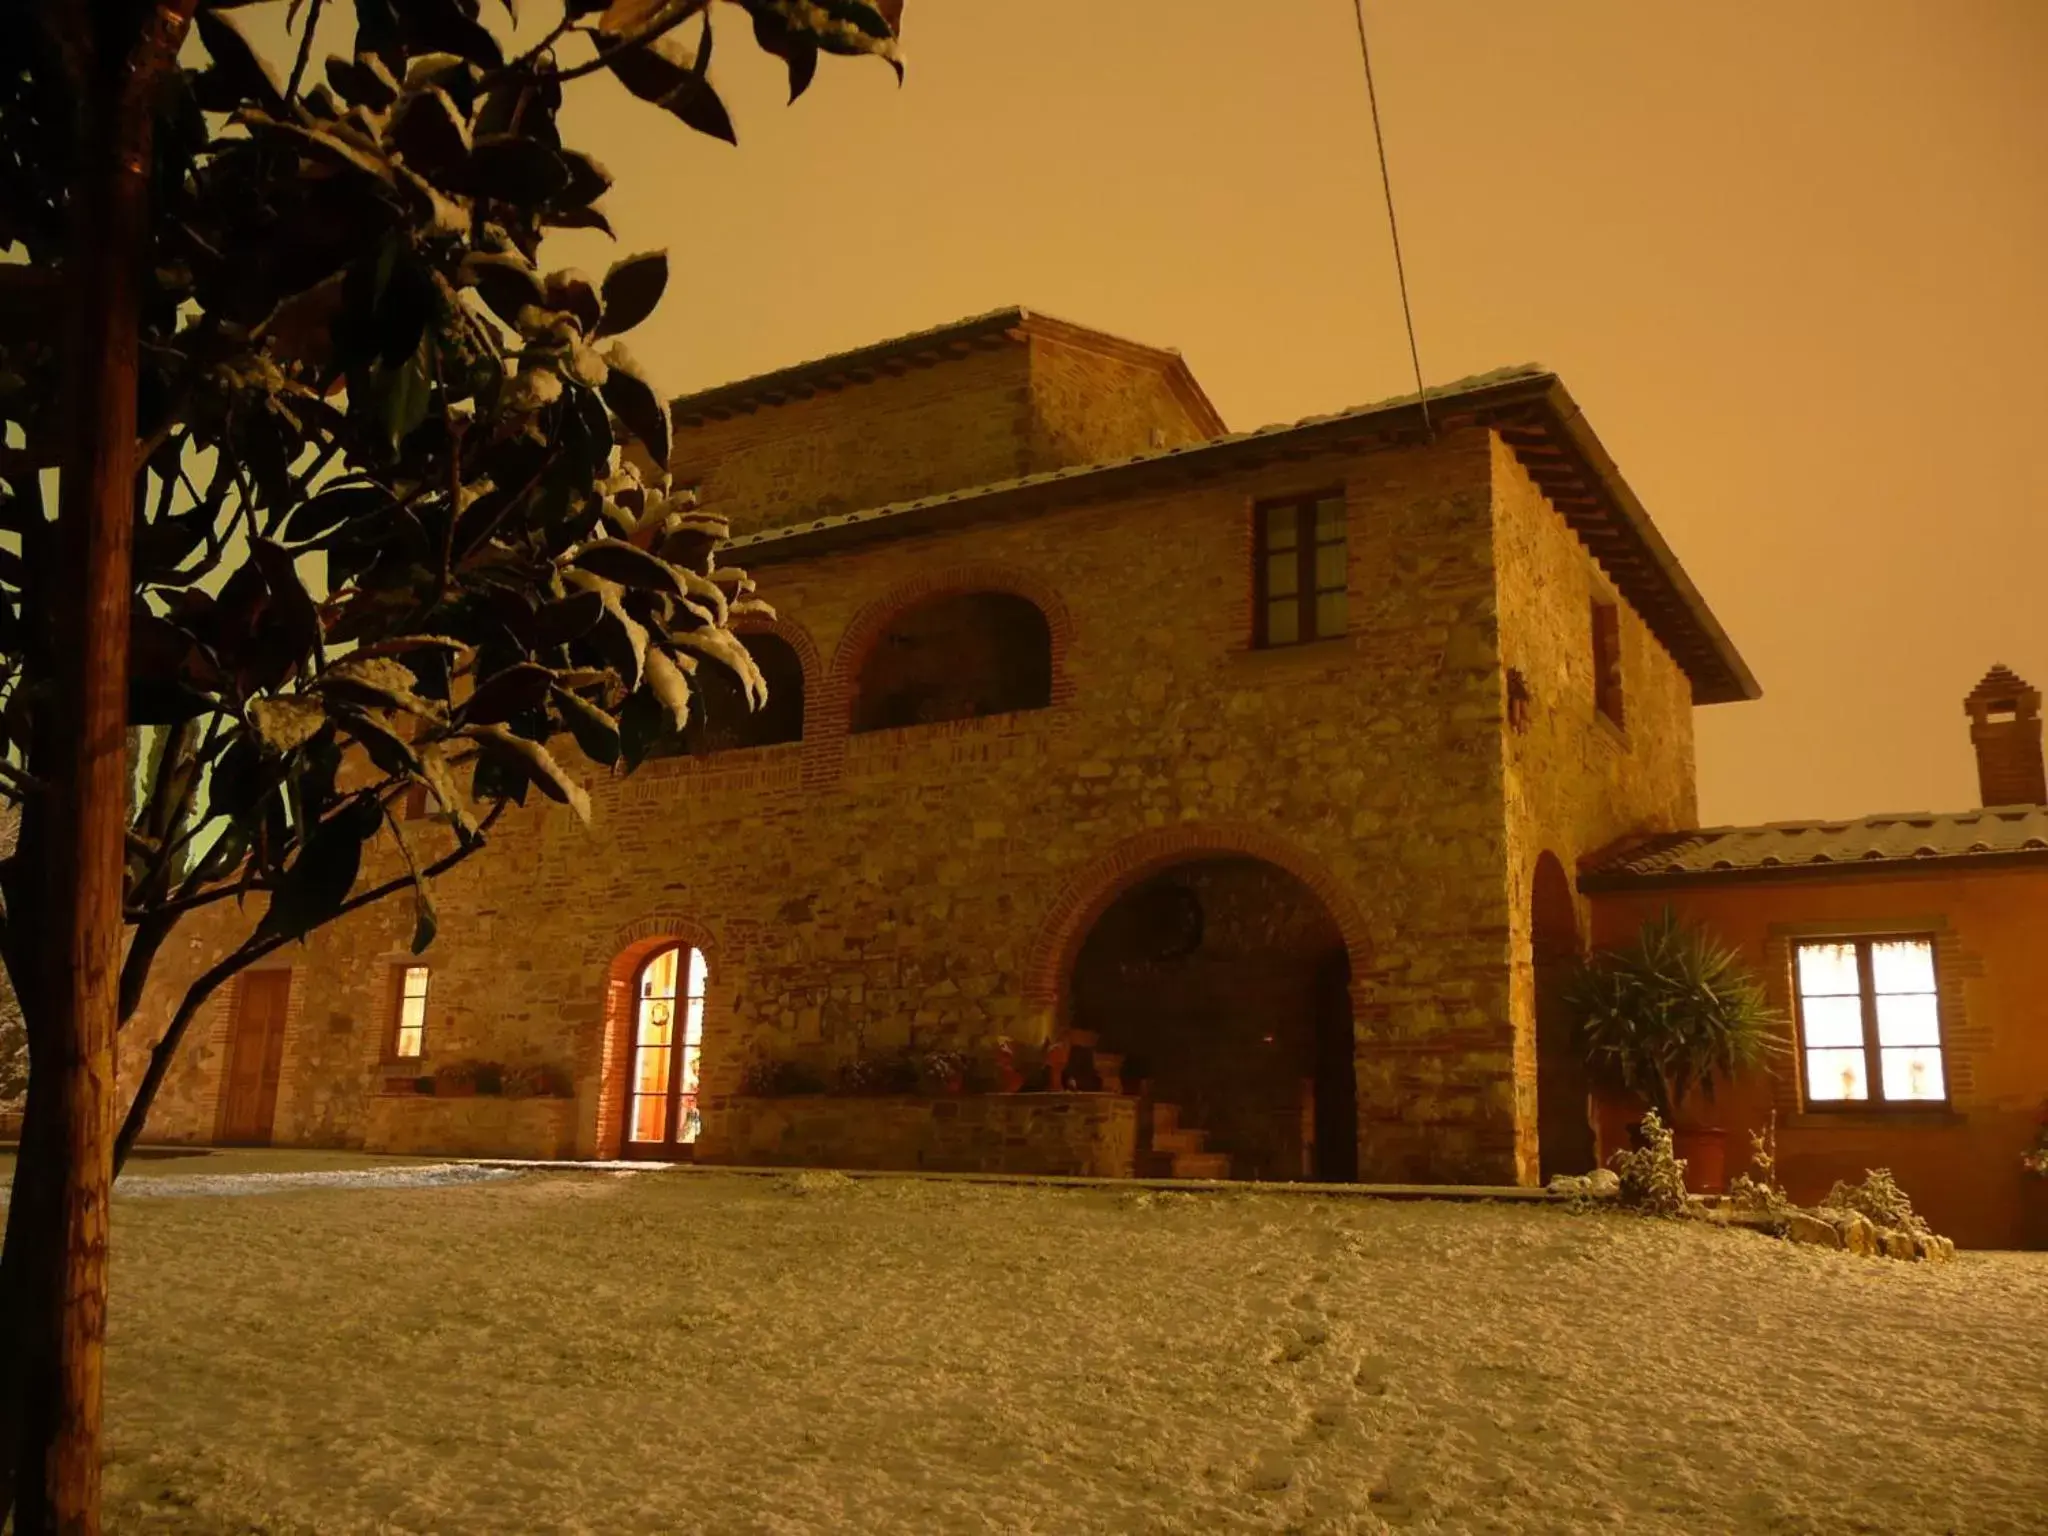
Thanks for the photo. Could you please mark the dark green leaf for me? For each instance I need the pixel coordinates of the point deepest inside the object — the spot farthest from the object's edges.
(405, 402)
(318, 881)
(507, 693)
(596, 733)
(512, 168)
(537, 763)
(634, 400)
(296, 617)
(632, 288)
(798, 51)
(643, 725)
(579, 218)
(238, 73)
(628, 565)
(431, 135)
(571, 293)
(447, 26)
(569, 619)
(159, 703)
(425, 924)
(498, 778)
(507, 282)
(588, 180)
(658, 73)
(319, 516)
(391, 752)
(364, 81)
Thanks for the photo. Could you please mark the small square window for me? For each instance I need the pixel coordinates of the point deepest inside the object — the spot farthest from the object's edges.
(1302, 573)
(1870, 1023)
(410, 1016)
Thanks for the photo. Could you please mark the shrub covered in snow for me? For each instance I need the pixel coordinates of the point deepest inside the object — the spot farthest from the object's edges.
(1652, 1176)
(1880, 1201)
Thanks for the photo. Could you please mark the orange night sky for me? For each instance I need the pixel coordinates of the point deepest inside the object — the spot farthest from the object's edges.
(1787, 256)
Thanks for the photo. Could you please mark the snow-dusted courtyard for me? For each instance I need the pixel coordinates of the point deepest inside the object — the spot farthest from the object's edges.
(701, 1352)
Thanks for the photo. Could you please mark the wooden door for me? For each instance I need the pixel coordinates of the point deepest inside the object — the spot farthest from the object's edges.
(248, 1089)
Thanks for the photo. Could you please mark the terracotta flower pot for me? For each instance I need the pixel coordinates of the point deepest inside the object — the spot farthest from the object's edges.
(1704, 1150)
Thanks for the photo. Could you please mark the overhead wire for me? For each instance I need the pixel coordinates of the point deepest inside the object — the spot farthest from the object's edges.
(1393, 228)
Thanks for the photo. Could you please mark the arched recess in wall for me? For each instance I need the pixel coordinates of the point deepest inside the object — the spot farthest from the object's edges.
(1215, 969)
(958, 644)
(1564, 1127)
(720, 719)
(664, 959)
(1088, 892)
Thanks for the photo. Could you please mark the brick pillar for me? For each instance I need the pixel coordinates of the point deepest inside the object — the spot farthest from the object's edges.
(2005, 728)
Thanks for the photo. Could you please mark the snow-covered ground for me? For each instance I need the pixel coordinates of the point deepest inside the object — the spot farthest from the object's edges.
(710, 1353)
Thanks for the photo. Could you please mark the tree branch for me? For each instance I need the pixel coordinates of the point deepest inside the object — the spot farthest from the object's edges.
(291, 89)
(247, 953)
(648, 33)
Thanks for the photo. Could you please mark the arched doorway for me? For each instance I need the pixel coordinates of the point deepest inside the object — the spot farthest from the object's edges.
(1223, 984)
(1564, 1127)
(663, 1062)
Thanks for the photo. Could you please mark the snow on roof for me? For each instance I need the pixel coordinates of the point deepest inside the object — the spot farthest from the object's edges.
(1911, 839)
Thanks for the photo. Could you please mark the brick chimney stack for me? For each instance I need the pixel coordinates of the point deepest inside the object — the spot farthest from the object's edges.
(2005, 728)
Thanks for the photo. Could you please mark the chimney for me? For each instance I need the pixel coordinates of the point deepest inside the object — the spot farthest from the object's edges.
(2005, 728)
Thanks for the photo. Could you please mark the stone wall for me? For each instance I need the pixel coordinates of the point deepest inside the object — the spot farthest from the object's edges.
(477, 1125)
(965, 421)
(1042, 397)
(1091, 405)
(1573, 781)
(1079, 1134)
(935, 883)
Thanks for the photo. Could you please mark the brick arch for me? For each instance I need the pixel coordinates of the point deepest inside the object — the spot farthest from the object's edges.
(807, 655)
(1091, 891)
(630, 948)
(866, 629)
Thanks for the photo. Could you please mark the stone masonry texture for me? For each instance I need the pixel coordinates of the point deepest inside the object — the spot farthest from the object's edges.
(935, 883)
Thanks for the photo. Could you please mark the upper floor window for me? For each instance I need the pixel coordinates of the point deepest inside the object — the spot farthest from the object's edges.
(1870, 1022)
(1607, 660)
(719, 717)
(1302, 575)
(409, 1029)
(956, 658)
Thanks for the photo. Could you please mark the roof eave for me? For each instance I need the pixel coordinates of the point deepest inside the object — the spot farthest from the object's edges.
(1523, 408)
(1741, 682)
(1611, 882)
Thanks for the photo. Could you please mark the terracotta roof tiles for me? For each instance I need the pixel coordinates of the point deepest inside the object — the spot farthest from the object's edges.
(1916, 840)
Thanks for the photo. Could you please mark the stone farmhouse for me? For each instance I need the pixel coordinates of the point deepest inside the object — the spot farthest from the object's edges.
(1225, 769)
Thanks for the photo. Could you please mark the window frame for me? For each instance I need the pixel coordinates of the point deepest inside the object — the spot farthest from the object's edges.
(1306, 591)
(1610, 696)
(394, 1037)
(1875, 1102)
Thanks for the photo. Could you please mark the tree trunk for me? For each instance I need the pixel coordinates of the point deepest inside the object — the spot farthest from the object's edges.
(64, 1269)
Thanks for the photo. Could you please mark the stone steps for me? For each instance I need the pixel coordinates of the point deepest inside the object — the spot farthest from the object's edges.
(1166, 1148)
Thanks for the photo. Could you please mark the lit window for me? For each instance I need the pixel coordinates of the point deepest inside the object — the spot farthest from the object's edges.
(1302, 574)
(1607, 661)
(663, 1075)
(1870, 1021)
(412, 1011)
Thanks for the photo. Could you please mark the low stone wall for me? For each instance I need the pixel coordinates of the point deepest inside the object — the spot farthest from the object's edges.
(1083, 1134)
(476, 1125)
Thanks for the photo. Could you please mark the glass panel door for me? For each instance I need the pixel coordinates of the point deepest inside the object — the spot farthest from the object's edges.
(662, 1076)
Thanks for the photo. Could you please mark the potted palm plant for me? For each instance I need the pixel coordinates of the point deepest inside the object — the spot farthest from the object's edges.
(1667, 1018)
